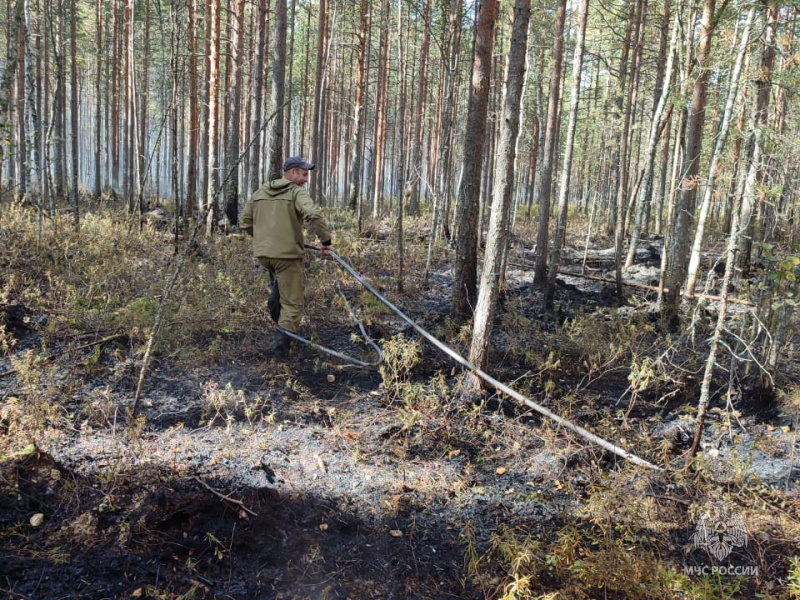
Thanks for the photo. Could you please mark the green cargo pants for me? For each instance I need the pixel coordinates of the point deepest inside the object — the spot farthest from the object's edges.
(289, 272)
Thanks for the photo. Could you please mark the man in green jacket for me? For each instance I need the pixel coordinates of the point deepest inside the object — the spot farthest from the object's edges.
(274, 216)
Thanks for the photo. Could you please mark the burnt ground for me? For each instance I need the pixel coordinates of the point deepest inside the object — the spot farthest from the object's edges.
(255, 479)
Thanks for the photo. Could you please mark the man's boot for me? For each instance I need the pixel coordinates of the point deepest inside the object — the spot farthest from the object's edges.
(281, 345)
(274, 301)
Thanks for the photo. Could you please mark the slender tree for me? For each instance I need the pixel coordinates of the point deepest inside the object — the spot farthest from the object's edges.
(548, 152)
(466, 262)
(563, 193)
(719, 144)
(503, 188)
(278, 91)
(212, 157)
(356, 166)
(685, 202)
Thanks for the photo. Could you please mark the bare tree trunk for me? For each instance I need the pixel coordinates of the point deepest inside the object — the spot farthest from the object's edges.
(356, 166)
(756, 167)
(74, 113)
(503, 188)
(624, 158)
(563, 191)
(451, 40)
(98, 125)
(685, 202)
(258, 91)
(16, 23)
(143, 145)
(319, 86)
(21, 190)
(466, 263)
(212, 159)
(548, 152)
(114, 99)
(719, 144)
(419, 118)
(381, 108)
(234, 107)
(652, 144)
(278, 92)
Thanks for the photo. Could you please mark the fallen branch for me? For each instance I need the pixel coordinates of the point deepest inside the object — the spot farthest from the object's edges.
(613, 448)
(219, 494)
(67, 351)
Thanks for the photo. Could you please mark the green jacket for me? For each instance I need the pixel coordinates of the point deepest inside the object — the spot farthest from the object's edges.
(275, 215)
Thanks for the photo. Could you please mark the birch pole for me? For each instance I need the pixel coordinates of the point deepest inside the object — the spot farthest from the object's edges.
(719, 144)
(563, 193)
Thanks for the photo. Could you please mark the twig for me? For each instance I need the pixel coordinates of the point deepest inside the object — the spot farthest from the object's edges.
(68, 350)
(238, 503)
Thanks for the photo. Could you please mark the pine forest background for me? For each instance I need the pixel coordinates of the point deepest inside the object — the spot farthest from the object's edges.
(673, 118)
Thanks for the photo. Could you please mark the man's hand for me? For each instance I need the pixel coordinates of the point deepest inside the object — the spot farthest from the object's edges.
(326, 251)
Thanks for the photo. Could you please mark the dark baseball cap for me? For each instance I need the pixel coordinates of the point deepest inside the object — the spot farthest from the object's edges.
(297, 162)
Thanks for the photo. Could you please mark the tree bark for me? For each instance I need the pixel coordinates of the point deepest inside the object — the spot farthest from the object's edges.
(278, 91)
(503, 187)
(319, 86)
(646, 190)
(212, 158)
(234, 106)
(719, 144)
(563, 191)
(685, 202)
(356, 166)
(466, 262)
(549, 149)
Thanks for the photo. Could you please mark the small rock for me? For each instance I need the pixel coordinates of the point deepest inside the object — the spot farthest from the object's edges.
(37, 519)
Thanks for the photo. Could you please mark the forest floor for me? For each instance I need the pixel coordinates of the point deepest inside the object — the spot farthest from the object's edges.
(245, 477)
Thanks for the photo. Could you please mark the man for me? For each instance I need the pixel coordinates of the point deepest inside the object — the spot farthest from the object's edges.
(274, 217)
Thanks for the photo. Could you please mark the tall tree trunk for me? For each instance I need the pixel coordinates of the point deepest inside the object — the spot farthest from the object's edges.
(278, 91)
(563, 191)
(419, 118)
(450, 47)
(624, 159)
(258, 91)
(466, 262)
(98, 125)
(143, 146)
(656, 127)
(212, 158)
(191, 167)
(356, 166)
(381, 109)
(234, 104)
(74, 112)
(319, 86)
(21, 191)
(287, 119)
(618, 121)
(503, 188)
(719, 144)
(549, 150)
(685, 202)
(60, 106)
(116, 93)
(756, 165)
(16, 23)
